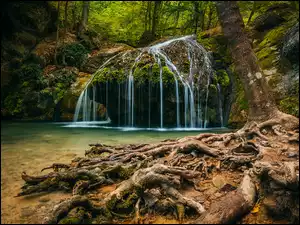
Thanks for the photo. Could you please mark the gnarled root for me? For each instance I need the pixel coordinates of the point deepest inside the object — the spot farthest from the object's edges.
(232, 206)
(61, 210)
(156, 176)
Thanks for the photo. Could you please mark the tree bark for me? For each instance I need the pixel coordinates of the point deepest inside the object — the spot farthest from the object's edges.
(57, 33)
(66, 18)
(65, 31)
(85, 14)
(209, 17)
(260, 100)
(196, 17)
(155, 17)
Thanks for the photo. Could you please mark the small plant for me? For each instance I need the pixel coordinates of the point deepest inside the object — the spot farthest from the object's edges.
(72, 55)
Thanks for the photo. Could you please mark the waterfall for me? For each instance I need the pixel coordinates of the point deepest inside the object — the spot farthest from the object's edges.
(161, 93)
(149, 106)
(220, 104)
(94, 103)
(177, 103)
(82, 100)
(119, 102)
(186, 103)
(190, 110)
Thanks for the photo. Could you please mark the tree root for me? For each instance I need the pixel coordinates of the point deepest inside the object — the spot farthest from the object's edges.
(232, 206)
(150, 178)
(61, 210)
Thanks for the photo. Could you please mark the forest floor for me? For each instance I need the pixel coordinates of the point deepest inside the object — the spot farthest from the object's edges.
(250, 176)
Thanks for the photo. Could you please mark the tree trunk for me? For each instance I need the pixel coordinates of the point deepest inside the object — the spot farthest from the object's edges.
(209, 17)
(146, 16)
(149, 15)
(261, 103)
(65, 31)
(85, 14)
(74, 16)
(177, 15)
(57, 33)
(202, 18)
(196, 17)
(155, 17)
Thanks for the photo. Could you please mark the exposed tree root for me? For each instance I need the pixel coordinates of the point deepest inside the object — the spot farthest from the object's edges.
(232, 206)
(152, 178)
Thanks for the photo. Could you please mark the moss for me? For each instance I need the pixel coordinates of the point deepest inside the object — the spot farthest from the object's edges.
(125, 173)
(209, 43)
(213, 88)
(75, 54)
(266, 57)
(25, 84)
(109, 74)
(70, 220)
(167, 75)
(14, 104)
(126, 204)
(290, 105)
(223, 78)
(274, 36)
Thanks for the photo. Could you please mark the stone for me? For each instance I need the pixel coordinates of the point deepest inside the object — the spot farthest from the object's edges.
(290, 47)
(218, 181)
(267, 21)
(218, 194)
(292, 155)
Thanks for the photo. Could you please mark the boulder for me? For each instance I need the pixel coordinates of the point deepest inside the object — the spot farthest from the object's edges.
(267, 21)
(97, 58)
(290, 47)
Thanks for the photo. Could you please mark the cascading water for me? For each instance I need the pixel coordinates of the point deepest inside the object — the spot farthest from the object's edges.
(220, 104)
(192, 97)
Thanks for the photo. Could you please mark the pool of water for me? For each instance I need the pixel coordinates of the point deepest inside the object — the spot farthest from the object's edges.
(31, 146)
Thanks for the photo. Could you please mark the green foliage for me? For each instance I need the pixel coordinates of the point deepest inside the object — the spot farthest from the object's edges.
(14, 104)
(141, 73)
(273, 37)
(223, 78)
(75, 54)
(290, 105)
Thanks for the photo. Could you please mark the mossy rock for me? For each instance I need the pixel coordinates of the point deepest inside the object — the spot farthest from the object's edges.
(274, 36)
(223, 78)
(290, 105)
(267, 21)
(75, 54)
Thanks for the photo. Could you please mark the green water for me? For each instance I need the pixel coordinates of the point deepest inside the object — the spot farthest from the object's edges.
(58, 135)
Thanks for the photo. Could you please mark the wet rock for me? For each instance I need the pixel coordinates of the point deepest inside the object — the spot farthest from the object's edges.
(94, 62)
(267, 21)
(290, 48)
(292, 155)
